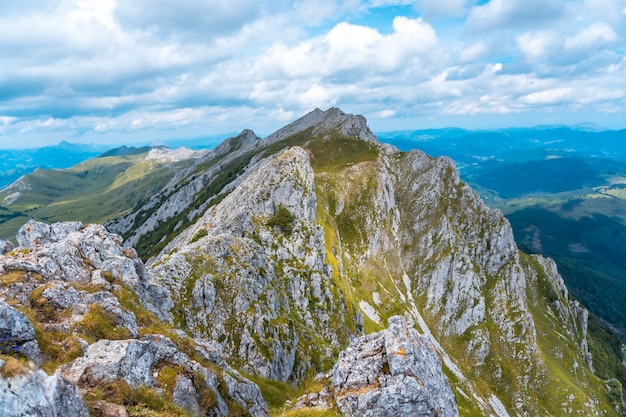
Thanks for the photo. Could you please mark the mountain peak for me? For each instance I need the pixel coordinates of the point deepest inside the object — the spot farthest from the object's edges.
(321, 122)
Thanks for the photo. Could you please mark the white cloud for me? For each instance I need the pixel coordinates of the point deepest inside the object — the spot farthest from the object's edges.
(538, 45)
(509, 14)
(593, 36)
(76, 66)
(385, 114)
(357, 49)
(551, 96)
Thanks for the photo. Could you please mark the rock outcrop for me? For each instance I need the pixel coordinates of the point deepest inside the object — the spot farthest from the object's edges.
(33, 393)
(17, 334)
(253, 274)
(395, 372)
(88, 299)
(195, 388)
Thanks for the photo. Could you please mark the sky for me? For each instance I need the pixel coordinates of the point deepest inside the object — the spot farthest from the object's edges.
(133, 71)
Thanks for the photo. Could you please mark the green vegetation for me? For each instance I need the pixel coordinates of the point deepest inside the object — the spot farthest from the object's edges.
(95, 191)
(283, 219)
(589, 251)
(606, 350)
(140, 401)
(99, 323)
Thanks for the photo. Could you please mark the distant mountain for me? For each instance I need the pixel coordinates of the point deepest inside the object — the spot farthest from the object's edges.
(126, 151)
(16, 163)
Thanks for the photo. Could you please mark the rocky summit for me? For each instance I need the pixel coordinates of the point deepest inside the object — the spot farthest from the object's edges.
(312, 272)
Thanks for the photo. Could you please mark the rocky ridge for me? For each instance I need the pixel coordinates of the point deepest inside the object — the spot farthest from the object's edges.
(284, 249)
(89, 313)
(252, 273)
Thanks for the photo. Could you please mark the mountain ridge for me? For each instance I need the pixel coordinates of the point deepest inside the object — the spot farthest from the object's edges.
(284, 250)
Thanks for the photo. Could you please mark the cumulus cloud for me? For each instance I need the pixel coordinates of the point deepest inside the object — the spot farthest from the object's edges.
(98, 67)
(507, 14)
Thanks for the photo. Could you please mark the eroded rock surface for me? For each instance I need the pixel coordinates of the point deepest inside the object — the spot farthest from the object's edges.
(33, 393)
(395, 372)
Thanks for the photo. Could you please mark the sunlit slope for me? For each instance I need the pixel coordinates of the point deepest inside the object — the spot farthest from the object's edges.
(94, 191)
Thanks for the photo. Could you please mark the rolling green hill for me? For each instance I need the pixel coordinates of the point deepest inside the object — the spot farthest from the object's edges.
(94, 191)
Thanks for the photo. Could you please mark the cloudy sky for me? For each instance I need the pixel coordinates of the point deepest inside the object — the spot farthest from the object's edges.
(133, 71)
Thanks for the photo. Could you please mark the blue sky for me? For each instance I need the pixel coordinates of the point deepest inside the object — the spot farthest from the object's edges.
(132, 71)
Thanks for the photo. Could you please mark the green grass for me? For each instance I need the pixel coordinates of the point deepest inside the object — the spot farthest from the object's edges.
(92, 192)
(588, 249)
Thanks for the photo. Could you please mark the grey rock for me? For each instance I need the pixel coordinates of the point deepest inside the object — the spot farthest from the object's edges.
(137, 361)
(5, 247)
(17, 334)
(246, 393)
(186, 397)
(395, 372)
(37, 233)
(411, 383)
(35, 394)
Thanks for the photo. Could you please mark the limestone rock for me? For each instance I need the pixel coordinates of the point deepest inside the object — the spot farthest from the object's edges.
(395, 372)
(137, 362)
(17, 334)
(35, 394)
(242, 280)
(5, 247)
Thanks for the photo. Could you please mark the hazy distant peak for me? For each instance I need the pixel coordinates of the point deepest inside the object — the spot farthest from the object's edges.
(157, 144)
(164, 154)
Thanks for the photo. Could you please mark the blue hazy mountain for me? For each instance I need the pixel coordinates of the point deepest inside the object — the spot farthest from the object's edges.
(15, 163)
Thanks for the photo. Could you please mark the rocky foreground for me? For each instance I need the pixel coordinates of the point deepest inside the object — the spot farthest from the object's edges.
(78, 331)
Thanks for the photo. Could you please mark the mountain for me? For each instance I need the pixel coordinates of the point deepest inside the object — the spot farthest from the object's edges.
(562, 188)
(16, 163)
(95, 190)
(319, 251)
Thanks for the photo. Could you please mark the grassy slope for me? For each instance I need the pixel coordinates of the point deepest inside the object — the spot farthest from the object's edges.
(343, 234)
(92, 192)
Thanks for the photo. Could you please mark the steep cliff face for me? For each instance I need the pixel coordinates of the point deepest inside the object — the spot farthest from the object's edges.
(252, 273)
(425, 245)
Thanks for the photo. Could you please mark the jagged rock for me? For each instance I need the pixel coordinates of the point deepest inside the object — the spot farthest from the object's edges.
(326, 122)
(186, 396)
(173, 155)
(392, 372)
(17, 334)
(70, 254)
(236, 273)
(32, 393)
(5, 247)
(137, 361)
(37, 233)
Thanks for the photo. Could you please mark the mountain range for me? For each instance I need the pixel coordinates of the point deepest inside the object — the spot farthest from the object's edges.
(316, 271)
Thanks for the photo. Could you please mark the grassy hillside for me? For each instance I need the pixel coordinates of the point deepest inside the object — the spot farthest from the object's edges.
(94, 191)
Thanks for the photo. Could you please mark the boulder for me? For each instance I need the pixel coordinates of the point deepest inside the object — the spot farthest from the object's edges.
(32, 393)
(17, 334)
(392, 372)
